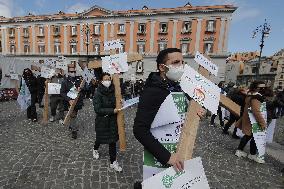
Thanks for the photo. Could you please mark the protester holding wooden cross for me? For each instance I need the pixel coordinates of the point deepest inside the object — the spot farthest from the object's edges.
(162, 103)
(69, 91)
(106, 119)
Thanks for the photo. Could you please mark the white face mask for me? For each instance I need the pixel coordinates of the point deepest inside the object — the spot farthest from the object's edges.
(106, 83)
(174, 73)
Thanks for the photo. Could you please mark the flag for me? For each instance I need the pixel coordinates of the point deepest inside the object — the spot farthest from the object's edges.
(24, 98)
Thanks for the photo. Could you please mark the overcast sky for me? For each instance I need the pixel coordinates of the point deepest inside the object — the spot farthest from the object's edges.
(250, 14)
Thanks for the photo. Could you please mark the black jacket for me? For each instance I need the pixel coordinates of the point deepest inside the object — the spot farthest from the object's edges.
(66, 85)
(32, 84)
(106, 120)
(155, 92)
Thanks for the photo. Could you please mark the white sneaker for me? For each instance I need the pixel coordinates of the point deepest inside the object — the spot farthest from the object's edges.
(256, 158)
(61, 122)
(115, 166)
(96, 154)
(240, 153)
(52, 119)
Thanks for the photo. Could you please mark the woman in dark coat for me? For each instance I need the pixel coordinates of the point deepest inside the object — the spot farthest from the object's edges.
(31, 82)
(106, 117)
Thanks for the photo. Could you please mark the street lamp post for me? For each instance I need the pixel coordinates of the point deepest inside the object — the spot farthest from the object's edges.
(264, 29)
(87, 32)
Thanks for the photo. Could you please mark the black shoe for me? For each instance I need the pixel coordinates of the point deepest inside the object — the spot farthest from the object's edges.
(34, 120)
(41, 106)
(74, 134)
(225, 132)
(235, 136)
(138, 185)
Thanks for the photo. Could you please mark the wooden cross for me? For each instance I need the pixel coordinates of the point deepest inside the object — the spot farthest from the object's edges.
(191, 124)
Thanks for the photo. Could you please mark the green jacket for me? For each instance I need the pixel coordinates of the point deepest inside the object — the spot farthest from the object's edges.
(106, 123)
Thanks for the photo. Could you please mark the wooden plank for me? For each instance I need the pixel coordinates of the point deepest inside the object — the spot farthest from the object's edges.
(71, 108)
(134, 57)
(120, 114)
(95, 64)
(230, 105)
(45, 111)
(190, 127)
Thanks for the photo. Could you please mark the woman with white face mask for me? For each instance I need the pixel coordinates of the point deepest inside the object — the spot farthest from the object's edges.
(106, 116)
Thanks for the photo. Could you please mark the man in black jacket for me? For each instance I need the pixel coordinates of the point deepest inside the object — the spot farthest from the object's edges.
(71, 82)
(158, 86)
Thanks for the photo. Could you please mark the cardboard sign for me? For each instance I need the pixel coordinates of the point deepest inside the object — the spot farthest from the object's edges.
(54, 88)
(47, 72)
(50, 63)
(259, 135)
(193, 176)
(207, 64)
(115, 63)
(202, 90)
(62, 64)
(166, 128)
(130, 102)
(73, 93)
(113, 44)
(14, 76)
(87, 75)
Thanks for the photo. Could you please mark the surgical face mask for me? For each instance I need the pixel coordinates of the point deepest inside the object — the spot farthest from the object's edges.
(174, 73)
(106, 83)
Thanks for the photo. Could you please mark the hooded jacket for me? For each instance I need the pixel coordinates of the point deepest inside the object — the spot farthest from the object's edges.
(155, 92)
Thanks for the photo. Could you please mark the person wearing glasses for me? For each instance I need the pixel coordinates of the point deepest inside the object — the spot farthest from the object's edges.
(158, 87)
(71, 85)
(253, 101)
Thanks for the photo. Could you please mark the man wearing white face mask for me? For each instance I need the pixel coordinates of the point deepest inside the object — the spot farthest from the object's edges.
(158, 87)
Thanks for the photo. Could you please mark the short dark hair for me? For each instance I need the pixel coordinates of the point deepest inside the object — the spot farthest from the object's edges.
(253, 86)
(163, 55)
(104, 74)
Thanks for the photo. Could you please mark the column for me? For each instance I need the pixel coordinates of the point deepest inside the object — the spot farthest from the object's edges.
(48, 39)
(112, 30)
(34, 38)
(3, 30)
(222, 29)
(131, 37)
(105, 31)
(65, 39)
(19, 40)
(225, 47)
(197, 38)
(81, 39)
(152, 37)
(174, 39)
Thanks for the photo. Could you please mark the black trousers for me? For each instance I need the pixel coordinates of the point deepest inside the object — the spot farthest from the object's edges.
(40, 97)
(219, 112)
(112, 150)
(57, 101)
(31, 110)
(244, 141)
(232, 120)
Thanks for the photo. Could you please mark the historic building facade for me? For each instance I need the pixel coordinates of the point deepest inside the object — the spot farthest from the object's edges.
(146, 31)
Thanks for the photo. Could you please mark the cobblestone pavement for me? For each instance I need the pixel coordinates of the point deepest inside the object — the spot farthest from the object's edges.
(36, 156)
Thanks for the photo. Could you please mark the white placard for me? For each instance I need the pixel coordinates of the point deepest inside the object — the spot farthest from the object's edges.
(115, 63)
(87, 75)
(130, 102)
(199, 88)
(113, 44)
(207, 64)
(259, 135)
(270, 131)
(54, 88)
(50, 63)
(73, 93)
(47, 72)
(14, 76)
(62, 64)
(192, 177)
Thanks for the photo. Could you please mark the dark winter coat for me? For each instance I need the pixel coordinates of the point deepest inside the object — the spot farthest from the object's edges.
(155, 92)
(32, 84)
(106, 120)
(66, 85)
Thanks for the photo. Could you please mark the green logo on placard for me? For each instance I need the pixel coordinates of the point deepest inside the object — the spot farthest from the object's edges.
(168, 180)
(180, 102)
